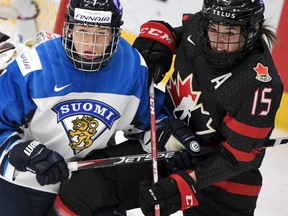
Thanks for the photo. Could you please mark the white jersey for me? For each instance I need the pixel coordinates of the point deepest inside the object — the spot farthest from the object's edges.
(44, 98)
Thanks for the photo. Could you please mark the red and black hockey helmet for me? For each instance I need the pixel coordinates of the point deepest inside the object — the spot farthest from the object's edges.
(248, 14)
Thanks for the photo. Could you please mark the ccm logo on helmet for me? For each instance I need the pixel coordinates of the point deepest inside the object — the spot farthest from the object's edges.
(92, 16)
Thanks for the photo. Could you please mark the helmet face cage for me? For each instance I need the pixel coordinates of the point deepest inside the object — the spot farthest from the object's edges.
(90, 50)
(91, 33)
(244, 15)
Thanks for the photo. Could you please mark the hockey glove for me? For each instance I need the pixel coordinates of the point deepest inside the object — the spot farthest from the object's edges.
(49, 166)
(175, 135)
(156, 43)
(174, 193)
(182, 160)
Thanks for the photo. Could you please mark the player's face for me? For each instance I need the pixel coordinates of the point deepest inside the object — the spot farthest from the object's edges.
(225, 38)
(91, 42)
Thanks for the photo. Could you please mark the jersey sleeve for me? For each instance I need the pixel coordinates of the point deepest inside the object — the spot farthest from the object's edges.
(245, 130)
(15, 109)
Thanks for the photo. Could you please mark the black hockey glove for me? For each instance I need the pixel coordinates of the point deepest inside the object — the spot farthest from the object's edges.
(156, 43)
(182, 160)
(174, 193)
(174, 135)
(49, 166)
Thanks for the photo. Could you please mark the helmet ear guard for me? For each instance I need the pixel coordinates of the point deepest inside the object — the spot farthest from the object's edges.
(247, 14)
(103, 14)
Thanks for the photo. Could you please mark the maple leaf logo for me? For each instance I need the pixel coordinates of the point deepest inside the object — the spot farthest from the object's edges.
(185, 101)
(179, 89)
(262, 73)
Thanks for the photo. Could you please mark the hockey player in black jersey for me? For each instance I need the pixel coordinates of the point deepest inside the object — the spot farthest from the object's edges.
(63, 100)
(226, 89)
(224, 94)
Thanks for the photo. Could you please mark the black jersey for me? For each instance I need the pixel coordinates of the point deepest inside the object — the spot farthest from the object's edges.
(233, 108)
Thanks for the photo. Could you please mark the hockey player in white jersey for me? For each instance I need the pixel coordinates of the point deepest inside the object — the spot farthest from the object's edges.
(65, 99)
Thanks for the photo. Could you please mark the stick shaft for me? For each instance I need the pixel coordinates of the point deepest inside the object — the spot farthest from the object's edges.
(117, 161)
(153, 139)
(276, 142)
(140, 158)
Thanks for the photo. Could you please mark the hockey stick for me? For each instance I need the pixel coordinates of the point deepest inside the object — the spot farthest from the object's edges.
(276, 142)
(140, 158)
(153, 139)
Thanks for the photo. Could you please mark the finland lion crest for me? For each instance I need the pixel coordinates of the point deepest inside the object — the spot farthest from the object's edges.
(84, 121)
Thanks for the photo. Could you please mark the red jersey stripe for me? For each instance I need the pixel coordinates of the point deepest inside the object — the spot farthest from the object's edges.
(237, 188)
(240, 155)
(246, 130)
